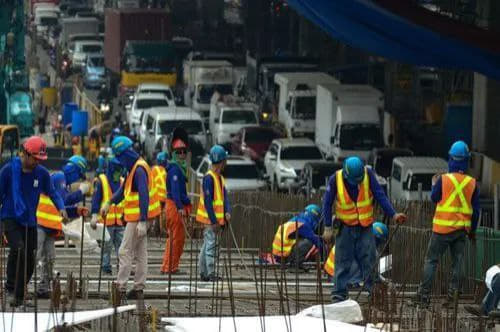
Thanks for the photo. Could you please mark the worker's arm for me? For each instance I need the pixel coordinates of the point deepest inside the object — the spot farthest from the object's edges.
(118, 195)
(208, 191)
(73, 198)
(49, 190)
(227, 205)
(175, 187)
(70, 208)
(141, 183)
(475, 209)
(436, 192)
(328, 199)
(308, 233)
(380, 196)
(96, 197)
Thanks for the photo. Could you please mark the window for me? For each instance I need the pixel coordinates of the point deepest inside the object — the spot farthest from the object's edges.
(424, 179)
(260, 136)
(166, 93)
(203, 167)
(239, 117)
(305, 108)
(91, 48)
(192, 127)
(241, 172)
(396, 172)
(360, 136)
(96, 61)
(10, 144)
(149, 123)
(205, 91)
(301, 153)
(149, 103)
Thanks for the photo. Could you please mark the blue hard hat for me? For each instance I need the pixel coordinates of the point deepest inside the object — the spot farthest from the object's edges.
(121, 144)
(79, 161)
(380, 230)
(313, 209)
(161, 157)
(459, 151)
(354, 170)
(217, 154)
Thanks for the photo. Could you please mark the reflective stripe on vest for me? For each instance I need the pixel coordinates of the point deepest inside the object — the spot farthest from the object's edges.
(217, 203)
(283, 242)
(115, 213)
(47, 214)
(330, 263)
(352, 213)
(160, 181)
(132, 211)
(454, 210)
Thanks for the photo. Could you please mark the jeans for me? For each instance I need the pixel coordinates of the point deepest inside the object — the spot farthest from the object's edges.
(437, 247)
(21, 261)
(115, 240)
(354, 243)
(492, 298)
(206, 260)
(46, 255)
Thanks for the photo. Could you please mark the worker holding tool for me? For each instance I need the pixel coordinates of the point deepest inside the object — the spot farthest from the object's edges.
(489, 305)
(178, 207)
(296, 240)
(214, 212)
(49, 221)
(456, 217)
(140, 205)
(22, 181)
(105, 185)
(159, 172)
(353, 189)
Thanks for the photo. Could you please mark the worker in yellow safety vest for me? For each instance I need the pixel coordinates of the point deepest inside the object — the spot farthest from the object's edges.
(140, 206)
(456, 217)
(159, 172)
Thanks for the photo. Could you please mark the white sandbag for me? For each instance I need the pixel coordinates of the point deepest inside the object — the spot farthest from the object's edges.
(73, 230)
(96, 234)
(347, 311)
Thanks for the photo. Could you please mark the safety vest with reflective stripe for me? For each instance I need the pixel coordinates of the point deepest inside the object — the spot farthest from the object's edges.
(115, 213)
(47, 214)
(330, 263)
(454, 210)
(354, 213)
(217, 203)
(132, 211)
(160, 181)
(284, 240)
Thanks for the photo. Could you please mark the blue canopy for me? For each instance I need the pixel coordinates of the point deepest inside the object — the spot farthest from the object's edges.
(367, 25)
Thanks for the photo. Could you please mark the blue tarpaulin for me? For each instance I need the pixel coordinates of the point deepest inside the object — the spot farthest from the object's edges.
(367, 25)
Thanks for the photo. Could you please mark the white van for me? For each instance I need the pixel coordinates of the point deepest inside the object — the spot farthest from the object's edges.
(408, 172)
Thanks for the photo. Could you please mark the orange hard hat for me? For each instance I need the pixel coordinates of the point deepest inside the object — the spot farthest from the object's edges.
(178, 144)
(36, 147)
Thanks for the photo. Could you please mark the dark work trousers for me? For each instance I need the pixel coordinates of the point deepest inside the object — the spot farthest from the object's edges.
(299, 253)
(22, 242)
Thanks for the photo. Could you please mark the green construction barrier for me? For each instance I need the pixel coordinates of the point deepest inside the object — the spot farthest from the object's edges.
(487, 250)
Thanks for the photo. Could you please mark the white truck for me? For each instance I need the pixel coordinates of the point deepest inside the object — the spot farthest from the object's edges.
(297, 100)
(348, 120)
(77, 25)
(202, 78)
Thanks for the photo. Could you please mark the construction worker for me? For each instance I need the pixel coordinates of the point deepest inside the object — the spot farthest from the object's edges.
(353, 189)
(50, 223)
(457, 213)
(160, 181)
(22, 181)
(178, 207)
(489, 305)
(105, 185)
(213, 211)
(296, 240)
(140, 206)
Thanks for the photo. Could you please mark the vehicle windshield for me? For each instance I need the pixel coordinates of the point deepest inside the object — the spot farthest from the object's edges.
(383, 164)
(424, 179)
(91, 48)
(360, 136)
(320, 174)
(166, 93)
(192, 127)
(96, 61)
(305, 108)
(152, 64)
(260, 136)
(301, 153)
(148, 103)
(241, 172)
(239, 117)
(205, 91)
(48, 21)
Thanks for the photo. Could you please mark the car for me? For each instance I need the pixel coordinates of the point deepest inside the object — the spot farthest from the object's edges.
(141, 103)
(80, 50)
(253, 142)
(226, 118)
(314, 177)
(241, 174)
(145, 88)
(161, 121)
(94, 72)
(285, 160)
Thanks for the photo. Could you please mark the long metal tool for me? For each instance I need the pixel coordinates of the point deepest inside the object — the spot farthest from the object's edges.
(102, 253)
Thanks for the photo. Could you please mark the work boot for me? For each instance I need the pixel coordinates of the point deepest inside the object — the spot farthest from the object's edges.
(204, 278)
(122, 298)
(107, 272)
(475, 309)
(214, 278)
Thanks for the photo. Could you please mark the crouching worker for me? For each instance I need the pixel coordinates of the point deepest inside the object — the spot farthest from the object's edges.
(50, 223)
(489, 305)
(296, 241)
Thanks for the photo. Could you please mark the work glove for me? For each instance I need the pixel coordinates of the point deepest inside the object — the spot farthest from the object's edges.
(400, 218)
(327, 234)
(93, 221)
(142, 229)
(84, 188)
(104, 209)
(64, 216)
(82, 211)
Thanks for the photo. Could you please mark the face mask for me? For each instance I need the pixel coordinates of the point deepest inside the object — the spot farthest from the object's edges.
(71, 173)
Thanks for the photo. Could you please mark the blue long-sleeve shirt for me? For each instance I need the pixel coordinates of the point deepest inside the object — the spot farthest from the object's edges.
(352, 190)
(32, 184)
(307, 232)
(176, 186)
(139, 185)
(208, 191)
(97, 196)
(436, 195)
